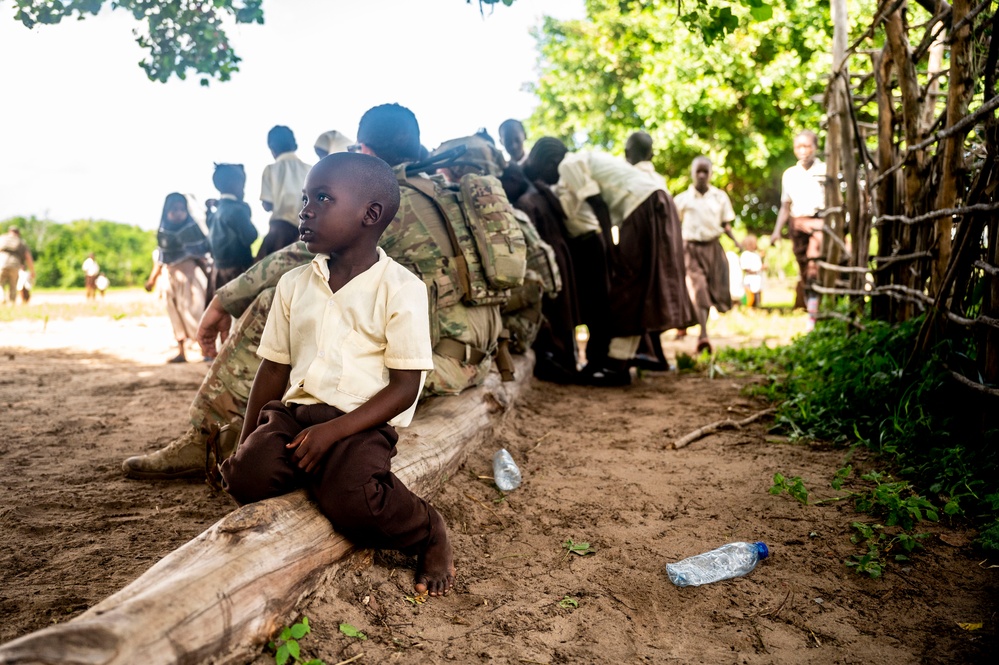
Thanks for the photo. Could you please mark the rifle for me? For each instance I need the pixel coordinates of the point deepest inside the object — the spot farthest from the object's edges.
(448, 158)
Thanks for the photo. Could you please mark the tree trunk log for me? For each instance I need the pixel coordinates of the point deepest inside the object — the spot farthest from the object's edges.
(221, 596)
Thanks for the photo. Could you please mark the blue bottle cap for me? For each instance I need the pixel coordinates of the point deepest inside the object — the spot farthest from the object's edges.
(761, 548)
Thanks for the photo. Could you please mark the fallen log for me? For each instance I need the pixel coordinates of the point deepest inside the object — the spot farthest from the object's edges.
(219, 597)
(728, 423)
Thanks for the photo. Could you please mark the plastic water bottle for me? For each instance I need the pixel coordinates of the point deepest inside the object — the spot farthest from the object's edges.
(505, 472)
(726, 562)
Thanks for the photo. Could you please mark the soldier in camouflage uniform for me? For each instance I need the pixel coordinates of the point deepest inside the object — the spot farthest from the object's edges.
(465, 338)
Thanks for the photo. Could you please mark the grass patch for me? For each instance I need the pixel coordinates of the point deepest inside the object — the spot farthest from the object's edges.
(855, 389)
(49, 304)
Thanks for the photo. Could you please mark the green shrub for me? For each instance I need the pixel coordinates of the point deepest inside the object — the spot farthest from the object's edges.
(854, 387)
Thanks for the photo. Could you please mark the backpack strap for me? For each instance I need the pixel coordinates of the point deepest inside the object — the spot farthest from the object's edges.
(504, 361)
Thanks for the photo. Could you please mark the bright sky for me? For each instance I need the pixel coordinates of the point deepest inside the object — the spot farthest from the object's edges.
(85, 135)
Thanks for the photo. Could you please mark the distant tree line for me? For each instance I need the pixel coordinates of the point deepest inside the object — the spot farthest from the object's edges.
(125, 253)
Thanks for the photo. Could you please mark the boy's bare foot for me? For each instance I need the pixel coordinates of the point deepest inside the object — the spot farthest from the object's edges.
(435, 569)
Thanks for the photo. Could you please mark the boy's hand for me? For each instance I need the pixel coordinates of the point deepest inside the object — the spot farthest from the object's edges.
(310, 446)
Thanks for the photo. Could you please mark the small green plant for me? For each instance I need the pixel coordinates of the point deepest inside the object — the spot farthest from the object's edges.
(685, 362)
(900, 508)
(351, 631)
(579, 549)
(895, 501)
(568, 602)
(794, 486)
(286, 648)
(880, 546)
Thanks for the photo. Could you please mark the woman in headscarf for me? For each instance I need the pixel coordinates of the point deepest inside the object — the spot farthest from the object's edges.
(184, 251)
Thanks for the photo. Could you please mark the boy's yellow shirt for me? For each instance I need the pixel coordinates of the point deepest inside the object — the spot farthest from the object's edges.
(340, 346)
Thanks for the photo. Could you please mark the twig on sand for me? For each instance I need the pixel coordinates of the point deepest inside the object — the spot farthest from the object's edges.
(350, 660)
(538, 442)
(702, 432)
(495, 514)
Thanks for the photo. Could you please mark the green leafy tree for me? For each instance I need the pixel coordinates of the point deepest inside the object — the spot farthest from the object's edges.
(124, 252)
(180, 36)
(728, 80)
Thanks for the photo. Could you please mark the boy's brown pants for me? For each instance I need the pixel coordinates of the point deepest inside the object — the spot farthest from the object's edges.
(353, 485)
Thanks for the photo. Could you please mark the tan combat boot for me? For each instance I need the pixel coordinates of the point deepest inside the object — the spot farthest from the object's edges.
(221, 445)
(184, 457)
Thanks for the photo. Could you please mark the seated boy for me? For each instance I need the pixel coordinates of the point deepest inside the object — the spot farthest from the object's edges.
(345, 352)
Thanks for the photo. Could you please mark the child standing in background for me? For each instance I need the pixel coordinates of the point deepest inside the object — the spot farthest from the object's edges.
(184, 251)
(230, 230)
(752, 271)
(281, 190)
(102, 283)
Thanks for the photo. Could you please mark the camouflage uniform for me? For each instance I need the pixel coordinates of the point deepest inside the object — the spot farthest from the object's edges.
(222, 398)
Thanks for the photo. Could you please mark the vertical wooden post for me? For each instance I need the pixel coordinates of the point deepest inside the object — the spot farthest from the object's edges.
(959, 87)
(884, 196)
(836, 114)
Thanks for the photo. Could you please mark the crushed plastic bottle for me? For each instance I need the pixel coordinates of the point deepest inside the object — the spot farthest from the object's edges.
(506, 475)
(723, 563)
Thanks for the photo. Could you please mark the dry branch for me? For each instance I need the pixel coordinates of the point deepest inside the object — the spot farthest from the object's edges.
(702, 432)
(885, 261)
(974, 385)
(220, 596)
(987, 267)
(936, 214)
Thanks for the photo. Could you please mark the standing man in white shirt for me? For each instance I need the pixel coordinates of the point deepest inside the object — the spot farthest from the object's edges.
(90, 272)
(281, 190)
(705, 213)
(802, 200)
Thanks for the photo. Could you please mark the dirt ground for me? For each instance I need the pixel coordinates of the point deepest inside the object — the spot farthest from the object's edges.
(79, 396)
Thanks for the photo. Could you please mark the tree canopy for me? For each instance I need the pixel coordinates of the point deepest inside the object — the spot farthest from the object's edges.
(180, 35)
(727, 80)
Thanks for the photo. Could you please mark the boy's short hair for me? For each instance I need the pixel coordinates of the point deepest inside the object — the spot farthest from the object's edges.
(810, 134)
(509, 124)
(229, 178)
(370, 177)
(392, 132)
(701, 159)
(281, 139)
(641, 144)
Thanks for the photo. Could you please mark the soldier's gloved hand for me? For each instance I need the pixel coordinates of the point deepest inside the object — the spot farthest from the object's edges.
(215, 323)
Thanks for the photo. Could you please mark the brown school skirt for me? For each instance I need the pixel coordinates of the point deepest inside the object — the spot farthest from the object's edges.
(648, 278)
(707, 274)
